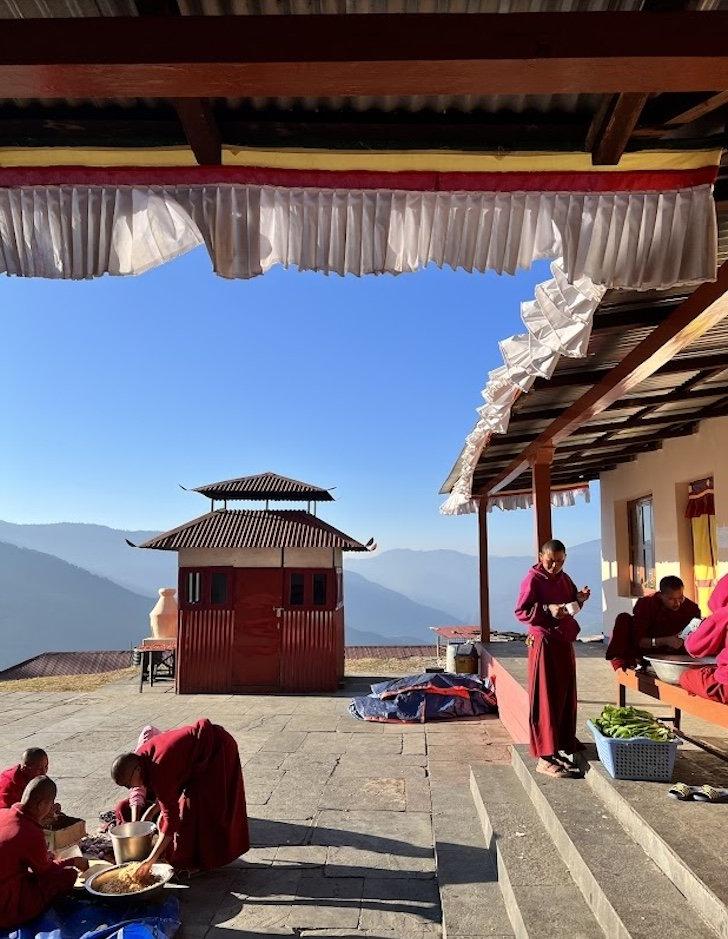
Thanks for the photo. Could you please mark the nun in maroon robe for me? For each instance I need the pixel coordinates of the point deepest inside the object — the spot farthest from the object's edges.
(710, 638)
(195, 773)
(545, 591)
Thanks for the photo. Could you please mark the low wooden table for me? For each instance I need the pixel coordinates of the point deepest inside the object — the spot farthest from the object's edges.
(157, 659)
(454, 634)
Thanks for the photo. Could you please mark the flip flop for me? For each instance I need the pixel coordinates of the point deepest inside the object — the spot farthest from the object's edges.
(682, 792)
(569, 765)
(552, 769)
(711, 794)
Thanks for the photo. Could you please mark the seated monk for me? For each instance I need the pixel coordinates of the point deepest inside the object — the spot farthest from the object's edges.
(30, 879)
(195, 773)
(33, 763)
(654, 625)
(710, 638)
(140, 798)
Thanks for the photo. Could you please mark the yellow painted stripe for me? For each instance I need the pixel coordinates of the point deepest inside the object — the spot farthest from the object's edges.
(374, 161)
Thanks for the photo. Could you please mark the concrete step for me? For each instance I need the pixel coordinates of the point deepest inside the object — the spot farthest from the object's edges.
(685, 839)
(541, 898)
(629, 895)
(471, 901)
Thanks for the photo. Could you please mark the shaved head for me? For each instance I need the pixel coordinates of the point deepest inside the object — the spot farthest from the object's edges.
(35, 761)
(123, 768)
(40, 790)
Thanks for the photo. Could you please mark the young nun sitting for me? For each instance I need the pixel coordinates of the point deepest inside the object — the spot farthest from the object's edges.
(710, 638)
(547, 602)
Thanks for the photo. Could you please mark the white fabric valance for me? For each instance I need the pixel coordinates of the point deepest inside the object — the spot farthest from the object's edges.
(616, 239)
(560, 498)
(558, 322)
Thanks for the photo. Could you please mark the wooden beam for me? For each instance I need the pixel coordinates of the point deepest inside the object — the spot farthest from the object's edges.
(386, 54)
(699, 110)
(612, 136)
(483, 569)
(702, 310)
(541, 488)
(201, 130)
(688, 363)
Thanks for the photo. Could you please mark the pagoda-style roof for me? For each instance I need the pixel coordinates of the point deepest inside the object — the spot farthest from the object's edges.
(265, 486)
(254, 528)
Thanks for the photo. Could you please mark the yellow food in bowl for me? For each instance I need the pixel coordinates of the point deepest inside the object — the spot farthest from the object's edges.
(125, 880)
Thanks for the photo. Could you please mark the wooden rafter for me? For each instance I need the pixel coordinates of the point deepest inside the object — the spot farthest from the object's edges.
(200, 129)
(694, 363)
(388, 54)
(608, 140)
(699, 110)
(706, 307)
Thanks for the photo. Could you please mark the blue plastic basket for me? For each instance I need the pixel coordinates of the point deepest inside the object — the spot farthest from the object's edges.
(638, 758)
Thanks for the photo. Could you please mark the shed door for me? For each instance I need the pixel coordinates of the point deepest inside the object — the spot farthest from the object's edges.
(257, 642)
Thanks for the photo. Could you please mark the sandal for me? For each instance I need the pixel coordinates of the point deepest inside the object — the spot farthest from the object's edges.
(547, 768)
(569, 765)
(682, 792)
(710, 794)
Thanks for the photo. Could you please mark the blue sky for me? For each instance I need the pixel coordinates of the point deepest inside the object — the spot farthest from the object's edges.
(116, 390)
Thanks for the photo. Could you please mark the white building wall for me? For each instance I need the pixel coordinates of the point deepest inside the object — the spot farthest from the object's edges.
(664, 474)
(259, 557)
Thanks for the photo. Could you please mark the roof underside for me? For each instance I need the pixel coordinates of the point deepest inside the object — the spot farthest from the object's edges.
(485, 122)
(265, 486)
(250, 528)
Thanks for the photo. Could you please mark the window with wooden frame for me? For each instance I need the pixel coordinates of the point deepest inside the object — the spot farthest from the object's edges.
(193, 583)
(641, 546)
(312, 589)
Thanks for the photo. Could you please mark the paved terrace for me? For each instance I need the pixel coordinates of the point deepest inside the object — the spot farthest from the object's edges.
(357, 829)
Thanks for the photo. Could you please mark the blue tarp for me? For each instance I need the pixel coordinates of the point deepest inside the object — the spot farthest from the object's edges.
(76, 918)
(427, 697)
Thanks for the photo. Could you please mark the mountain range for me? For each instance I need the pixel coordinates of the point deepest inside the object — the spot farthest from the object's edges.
(72, 586)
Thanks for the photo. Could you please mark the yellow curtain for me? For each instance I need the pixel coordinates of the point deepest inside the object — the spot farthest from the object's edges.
(705, 554)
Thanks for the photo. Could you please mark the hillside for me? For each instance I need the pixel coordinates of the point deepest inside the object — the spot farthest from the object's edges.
(49, 605)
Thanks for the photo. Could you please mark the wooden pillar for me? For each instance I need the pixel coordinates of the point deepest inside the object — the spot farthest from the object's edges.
(483, 567)
(541, 488)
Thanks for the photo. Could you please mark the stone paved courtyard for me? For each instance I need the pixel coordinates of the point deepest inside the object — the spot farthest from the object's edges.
(346, 817)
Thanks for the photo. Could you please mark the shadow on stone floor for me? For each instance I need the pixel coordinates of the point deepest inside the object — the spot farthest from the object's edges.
(268, 833)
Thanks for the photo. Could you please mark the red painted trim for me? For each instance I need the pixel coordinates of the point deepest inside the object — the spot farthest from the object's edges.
(513, 708)
(632, 181)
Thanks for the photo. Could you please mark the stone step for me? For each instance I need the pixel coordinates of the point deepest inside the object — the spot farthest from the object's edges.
(541, 898)
(629, 895)
(679, 837)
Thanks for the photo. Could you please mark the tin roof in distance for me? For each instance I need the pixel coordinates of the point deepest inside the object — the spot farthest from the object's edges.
(265, 486)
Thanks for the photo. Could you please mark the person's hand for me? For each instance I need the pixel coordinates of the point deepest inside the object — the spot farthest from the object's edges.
(557, 610)
(583, 595)
(144, 869)
(672, 642)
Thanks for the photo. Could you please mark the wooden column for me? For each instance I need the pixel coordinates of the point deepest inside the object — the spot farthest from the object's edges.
(483, 567)
(541, 487)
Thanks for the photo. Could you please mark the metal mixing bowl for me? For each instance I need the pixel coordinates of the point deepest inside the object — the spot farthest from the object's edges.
(163, 871)
(669, 668)
(132, 841)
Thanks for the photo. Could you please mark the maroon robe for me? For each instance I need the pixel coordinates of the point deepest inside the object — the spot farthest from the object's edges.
(30, 879)
(651, 619)
(195, 774)
(12, 785)
(551, 662)
(710, 638)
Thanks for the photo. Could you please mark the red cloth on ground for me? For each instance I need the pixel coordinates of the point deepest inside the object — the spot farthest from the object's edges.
(551, 662)
(651, 620)
(30, 880)
(12, 785)
(711, 638)
(703, 683)
(196, 775)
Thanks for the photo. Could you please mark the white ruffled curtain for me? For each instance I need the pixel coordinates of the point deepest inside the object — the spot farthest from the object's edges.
(558, 322)
(622, 239)
(524, 500)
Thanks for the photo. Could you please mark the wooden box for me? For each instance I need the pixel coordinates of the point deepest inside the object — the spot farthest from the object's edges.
(67, 831)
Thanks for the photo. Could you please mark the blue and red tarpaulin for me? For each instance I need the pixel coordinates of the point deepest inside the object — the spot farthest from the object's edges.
(76, 918)
(426, 697)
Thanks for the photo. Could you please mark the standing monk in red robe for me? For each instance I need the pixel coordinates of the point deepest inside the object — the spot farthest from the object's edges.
(546, 603)
(13, 781)
(30, 879)
(195, 774)
(710, 638)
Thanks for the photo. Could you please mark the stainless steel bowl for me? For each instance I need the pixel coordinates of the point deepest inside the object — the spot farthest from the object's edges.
(132, 841)
(163, 871)
(669, 668)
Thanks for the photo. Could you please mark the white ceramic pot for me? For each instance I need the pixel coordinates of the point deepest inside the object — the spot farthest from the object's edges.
(163, 618)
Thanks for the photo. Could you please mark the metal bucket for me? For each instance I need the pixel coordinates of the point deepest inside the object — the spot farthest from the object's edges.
(132, 841)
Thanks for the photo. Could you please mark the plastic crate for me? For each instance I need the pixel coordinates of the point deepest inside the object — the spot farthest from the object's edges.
(638, 758)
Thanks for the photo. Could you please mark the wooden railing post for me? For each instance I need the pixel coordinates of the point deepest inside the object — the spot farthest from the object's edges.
(483, 568)
(541, 488)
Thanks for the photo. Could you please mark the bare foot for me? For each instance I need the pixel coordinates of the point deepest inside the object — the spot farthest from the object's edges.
(548, 768)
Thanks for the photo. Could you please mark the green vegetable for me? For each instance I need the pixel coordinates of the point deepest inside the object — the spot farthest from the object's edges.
(627, 723)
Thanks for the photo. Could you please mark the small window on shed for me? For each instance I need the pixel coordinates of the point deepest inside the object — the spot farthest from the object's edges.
(296, 596)
(194, 586)
(319, 589)
(641, 546)
(219, 588)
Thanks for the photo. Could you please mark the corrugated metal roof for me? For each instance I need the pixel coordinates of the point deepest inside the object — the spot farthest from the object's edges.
(266, 485)
(254, 528)
(48, 664)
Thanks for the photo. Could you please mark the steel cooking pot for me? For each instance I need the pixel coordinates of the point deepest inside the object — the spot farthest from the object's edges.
(132, 841)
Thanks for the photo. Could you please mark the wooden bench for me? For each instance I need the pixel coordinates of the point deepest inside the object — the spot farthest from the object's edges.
(712, 711)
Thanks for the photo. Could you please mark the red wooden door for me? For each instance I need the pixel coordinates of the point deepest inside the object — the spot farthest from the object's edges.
(257, 640)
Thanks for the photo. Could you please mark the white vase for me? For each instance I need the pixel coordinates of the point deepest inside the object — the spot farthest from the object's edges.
(163, 618)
